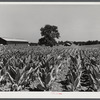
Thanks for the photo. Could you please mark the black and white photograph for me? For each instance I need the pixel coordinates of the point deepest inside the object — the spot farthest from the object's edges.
(49, 47)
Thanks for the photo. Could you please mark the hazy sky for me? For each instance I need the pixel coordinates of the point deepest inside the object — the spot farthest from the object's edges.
(75, 22)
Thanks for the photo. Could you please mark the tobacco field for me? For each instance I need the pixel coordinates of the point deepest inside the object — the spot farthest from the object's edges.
(58, 68)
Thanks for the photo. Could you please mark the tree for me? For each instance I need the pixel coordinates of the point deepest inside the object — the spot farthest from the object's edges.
(49, 33)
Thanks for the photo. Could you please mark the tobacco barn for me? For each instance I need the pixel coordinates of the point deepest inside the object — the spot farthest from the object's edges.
(6, 41)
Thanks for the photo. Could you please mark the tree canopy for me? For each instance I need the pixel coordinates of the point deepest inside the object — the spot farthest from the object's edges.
(49, 33)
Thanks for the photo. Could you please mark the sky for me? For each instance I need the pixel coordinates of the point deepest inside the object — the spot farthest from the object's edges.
(74, 22)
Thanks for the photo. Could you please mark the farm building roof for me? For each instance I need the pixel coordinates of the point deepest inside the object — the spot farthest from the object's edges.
(8, 39)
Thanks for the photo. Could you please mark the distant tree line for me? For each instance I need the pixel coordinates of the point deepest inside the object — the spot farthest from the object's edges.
(89, 42)
(80, 43)
(67, 43)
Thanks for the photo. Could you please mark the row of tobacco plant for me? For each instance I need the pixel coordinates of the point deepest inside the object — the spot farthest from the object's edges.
(49, 68)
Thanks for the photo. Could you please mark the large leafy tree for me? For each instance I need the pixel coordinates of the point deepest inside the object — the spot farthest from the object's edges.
(49, 33)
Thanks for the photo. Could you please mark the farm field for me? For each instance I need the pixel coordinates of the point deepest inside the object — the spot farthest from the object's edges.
(58, 68)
